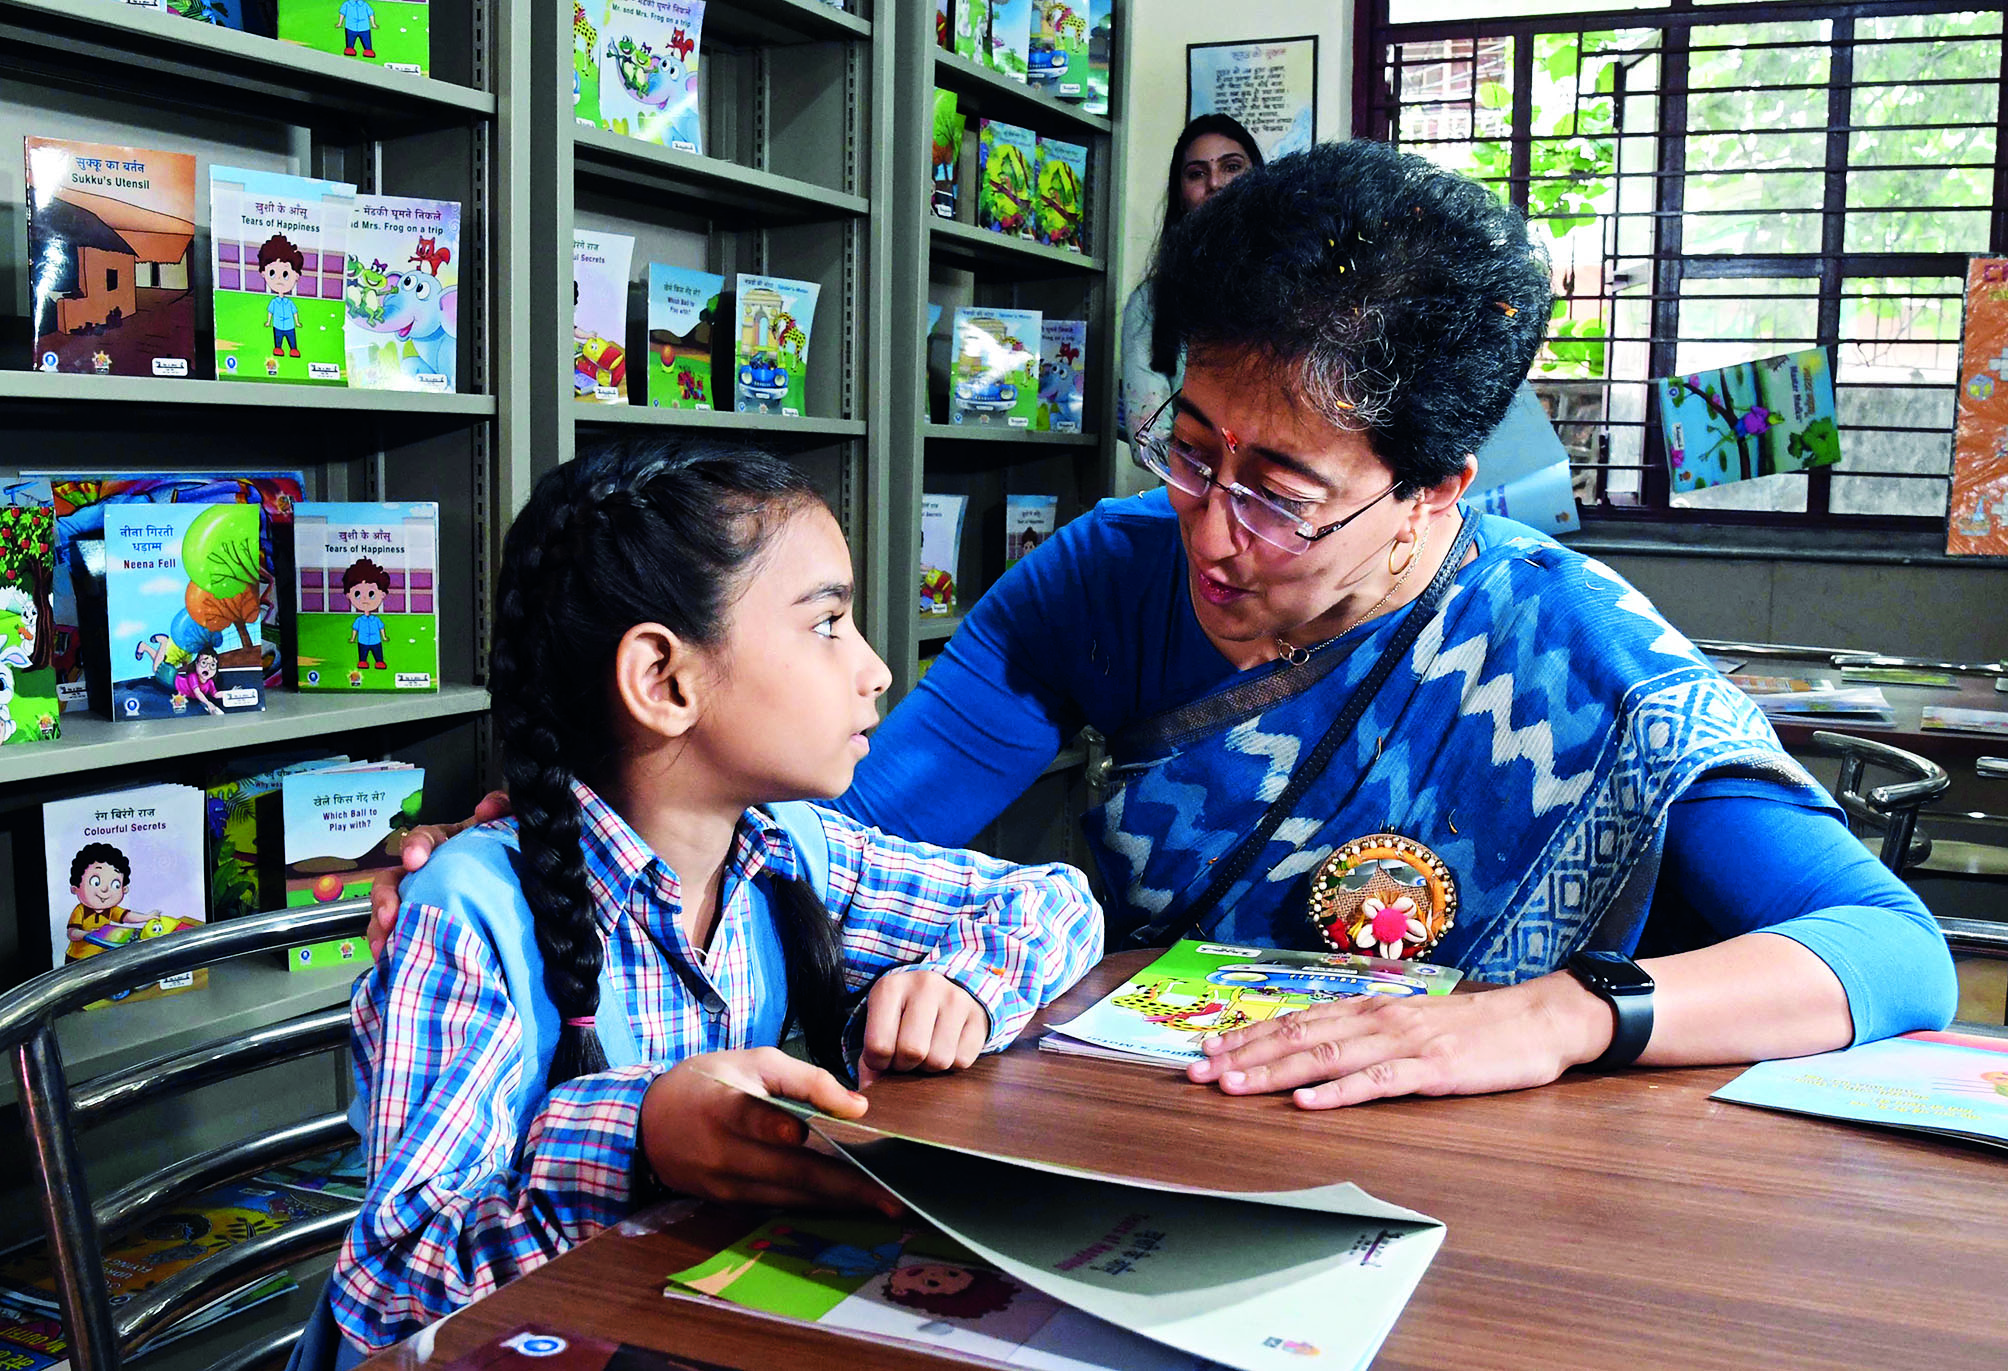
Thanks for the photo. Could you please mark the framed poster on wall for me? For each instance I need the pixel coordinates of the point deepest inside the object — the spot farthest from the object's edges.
(1270, 85)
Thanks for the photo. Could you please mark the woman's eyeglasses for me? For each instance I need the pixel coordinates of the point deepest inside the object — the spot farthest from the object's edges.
(1177, 464)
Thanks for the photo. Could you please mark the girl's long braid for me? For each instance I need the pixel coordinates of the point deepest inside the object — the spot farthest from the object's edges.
(633, 533)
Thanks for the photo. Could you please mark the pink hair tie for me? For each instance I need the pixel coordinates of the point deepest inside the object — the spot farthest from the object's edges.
(586, 1022)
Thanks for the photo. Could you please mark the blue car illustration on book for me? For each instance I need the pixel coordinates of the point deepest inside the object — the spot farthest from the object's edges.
(986, 397)
(764, 378)
(1313, 980)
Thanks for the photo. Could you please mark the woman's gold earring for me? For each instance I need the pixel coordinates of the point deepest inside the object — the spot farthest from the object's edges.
(1394, 570)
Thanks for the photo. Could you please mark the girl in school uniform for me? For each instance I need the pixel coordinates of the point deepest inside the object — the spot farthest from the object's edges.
(555, 1031)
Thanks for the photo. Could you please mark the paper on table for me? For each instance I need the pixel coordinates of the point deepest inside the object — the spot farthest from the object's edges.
(1251, 1279)
(1950, 1083)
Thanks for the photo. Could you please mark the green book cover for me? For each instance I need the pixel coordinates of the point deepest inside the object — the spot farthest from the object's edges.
(367, 572)
(393, 34)
(682, 315)
(27, 613)
(278, 257)
(995, 378)
(343, 825)
(1010, 50)
(972, 29)
(1005, 189)
(1197, 989)
(770, 347)
(1061, 198)
(945, 153)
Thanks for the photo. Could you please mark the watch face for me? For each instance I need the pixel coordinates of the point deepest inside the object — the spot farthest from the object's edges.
(1611, 973)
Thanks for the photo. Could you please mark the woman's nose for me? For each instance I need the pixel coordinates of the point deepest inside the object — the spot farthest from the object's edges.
(1216, 533)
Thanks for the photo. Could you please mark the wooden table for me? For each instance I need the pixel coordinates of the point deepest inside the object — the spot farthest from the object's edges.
(1604, 1221)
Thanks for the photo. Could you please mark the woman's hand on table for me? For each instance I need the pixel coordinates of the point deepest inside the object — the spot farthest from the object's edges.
(1373, 1047)
(418, 845)
(706, 1131)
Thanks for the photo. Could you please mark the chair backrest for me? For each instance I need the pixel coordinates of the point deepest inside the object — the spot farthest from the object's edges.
(53, 1113)
(1889, 809)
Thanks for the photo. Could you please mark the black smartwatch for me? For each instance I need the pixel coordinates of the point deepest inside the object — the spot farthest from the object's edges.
(1627, 989)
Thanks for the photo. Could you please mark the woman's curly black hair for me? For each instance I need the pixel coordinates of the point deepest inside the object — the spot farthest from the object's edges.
(1396, 298)
(629, 533)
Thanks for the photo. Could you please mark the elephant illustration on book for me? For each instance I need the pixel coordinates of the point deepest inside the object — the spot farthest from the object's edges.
(425, 314)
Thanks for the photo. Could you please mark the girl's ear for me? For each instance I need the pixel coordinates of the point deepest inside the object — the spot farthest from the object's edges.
(659, 680)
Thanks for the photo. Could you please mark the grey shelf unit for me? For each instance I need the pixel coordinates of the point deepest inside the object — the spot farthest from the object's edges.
(102, 72)
(791, 182)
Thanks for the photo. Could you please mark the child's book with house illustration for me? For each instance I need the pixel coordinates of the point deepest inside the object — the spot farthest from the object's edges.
(600, 264)
(649, 86)
(1197, 989)
(368, 607)
(111, 231)
(82, 504)
(402, 294)
(29, 709)
(995, 377)
(1063, 378)
(278, 261)
(393, 34)
(683, 308)
(1753, 419)
(344, 824)
(1250, 1280)
(184, 599)
(122, 867)
(1950, 1083)
(773, 318)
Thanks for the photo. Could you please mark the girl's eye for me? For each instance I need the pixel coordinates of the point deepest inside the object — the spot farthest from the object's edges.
(827, 628)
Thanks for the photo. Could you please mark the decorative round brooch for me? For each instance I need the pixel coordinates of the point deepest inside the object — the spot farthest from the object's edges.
(1384, 895)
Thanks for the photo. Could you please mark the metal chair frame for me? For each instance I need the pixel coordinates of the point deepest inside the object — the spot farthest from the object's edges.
(53, 1113)
(1891, 809)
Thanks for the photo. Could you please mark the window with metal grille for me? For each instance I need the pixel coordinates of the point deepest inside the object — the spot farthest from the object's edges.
(1717, 182)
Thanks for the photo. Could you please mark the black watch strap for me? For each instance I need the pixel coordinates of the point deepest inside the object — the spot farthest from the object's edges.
(1626, 987)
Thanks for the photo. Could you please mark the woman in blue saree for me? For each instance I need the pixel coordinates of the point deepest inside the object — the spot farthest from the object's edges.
(1346, 710)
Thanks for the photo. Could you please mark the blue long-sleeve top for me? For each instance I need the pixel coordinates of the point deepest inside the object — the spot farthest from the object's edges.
(1096, 629)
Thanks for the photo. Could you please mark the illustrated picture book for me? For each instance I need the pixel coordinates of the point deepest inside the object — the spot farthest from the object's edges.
(279, 261)
(541, 1347)
(1058, 61)
(1977, 522)
(1029, 520)
(1063, 380)
(183, 598)
(244, 832)
(940, 551)
(31, 711)
(1954, 1084)
(911, 1282)
(1781, 696)
(1523, 469)
(368, 608)
(343, 825)
(1900, 675)
(123, 867)
(1252, 1280)
(1005, 188)
(393, 34)
(945, 153)
(111, 234)
(683, 308)
(402, 294)
(1101, 42)
(1954, 719)
(972, 29)
(774, 317)
(1753, 419)
(1011, 24)
(599, 316)
(995, 379)
(1197, 989)
(1060, 175)
(648, 71)
(81, 505)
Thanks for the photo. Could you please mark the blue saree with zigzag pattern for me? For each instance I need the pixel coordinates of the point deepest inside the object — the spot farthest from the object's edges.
(1534, 736)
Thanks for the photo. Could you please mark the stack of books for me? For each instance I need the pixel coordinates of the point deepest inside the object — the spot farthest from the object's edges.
(1796, 696)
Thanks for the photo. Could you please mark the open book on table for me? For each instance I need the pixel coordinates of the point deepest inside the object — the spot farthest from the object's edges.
(1955, 1084)
(1197, 988)
(1072, 1269)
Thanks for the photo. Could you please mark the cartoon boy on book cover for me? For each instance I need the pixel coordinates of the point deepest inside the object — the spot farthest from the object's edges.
(100, 876)
(357, 18)
(366, 584)
(280, 263)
